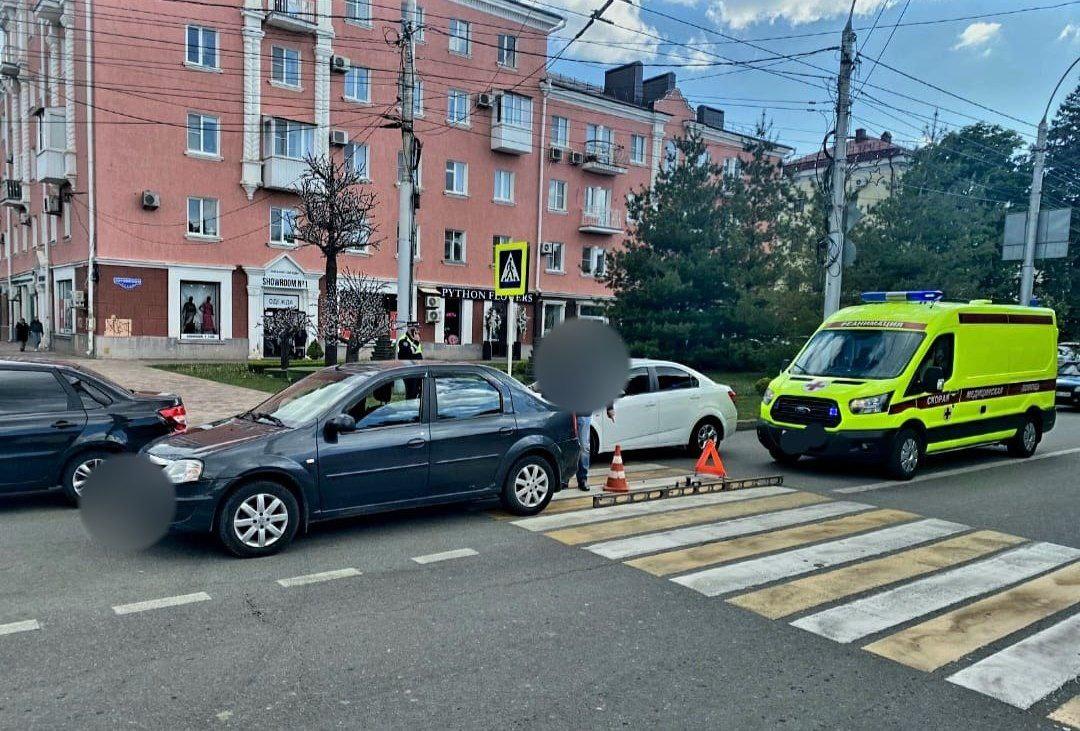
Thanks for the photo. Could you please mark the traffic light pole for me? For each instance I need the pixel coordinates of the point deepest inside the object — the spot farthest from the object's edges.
(1027, 270)
(834, 256)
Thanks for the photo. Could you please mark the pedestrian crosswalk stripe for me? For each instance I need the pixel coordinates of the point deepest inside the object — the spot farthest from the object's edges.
(726, 579)
(660, 521)
(812, 591)
(698, 557)
(545, 522)
(28, 625)
(857, 619)
(653, 542)
(1029, 670)
(1068, 713)
(947, 638)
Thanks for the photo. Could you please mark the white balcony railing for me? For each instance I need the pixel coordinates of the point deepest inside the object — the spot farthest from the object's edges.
(297, 16)
(599, 220)
(283, 173)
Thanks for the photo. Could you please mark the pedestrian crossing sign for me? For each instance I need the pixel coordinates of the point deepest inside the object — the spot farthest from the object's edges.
(511, 268)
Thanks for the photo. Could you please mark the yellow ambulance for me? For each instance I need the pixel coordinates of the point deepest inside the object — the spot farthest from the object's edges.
(907, 374)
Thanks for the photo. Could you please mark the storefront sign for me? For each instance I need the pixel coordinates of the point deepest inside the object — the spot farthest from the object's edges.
(281, 301)
(484, 295)
(270, 280)
(128, 283)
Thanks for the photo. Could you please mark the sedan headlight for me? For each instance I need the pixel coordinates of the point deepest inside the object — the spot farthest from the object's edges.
(183, 470)
(870, 404)
(768, 396)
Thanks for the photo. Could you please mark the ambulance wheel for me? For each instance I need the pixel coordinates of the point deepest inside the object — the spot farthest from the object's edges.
(905, 455)
(1027, 438)
(783, 458)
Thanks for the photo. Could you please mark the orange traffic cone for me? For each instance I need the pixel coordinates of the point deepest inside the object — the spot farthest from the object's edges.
(616, 476)
(709, 462)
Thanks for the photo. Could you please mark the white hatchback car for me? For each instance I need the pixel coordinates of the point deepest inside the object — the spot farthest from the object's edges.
(666, 404)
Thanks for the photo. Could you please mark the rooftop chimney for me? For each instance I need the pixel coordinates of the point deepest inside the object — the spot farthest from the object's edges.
(886, 136)
(624, 82)
(710, 116)
(860, 134)
(656, 87)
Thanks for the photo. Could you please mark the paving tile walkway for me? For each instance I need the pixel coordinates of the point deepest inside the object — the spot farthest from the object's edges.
(205, 400)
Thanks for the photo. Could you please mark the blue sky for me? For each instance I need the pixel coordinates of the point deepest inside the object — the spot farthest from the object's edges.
(1008, 63)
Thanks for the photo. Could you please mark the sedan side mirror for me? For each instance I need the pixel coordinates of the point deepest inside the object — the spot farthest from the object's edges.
(340, 424)
(933, 379)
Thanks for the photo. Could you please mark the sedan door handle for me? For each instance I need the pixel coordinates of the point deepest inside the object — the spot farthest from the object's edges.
(415, 443)
(507, 430)
(63, 424)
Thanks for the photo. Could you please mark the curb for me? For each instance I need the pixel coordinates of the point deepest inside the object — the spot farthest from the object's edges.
(746, 425)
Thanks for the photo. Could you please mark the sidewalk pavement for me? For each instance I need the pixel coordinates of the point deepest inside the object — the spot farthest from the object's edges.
(205, 400)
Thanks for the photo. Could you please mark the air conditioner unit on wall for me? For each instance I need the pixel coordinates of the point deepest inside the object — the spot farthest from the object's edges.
(54, 206)
(556, 154)
(547, 248)
(151, 201)
(432, 316)
(340, 64)
(576, 158)
(484, 100)
(339, 137)
(431, 302)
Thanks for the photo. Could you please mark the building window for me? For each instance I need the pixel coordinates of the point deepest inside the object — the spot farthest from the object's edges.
(553, 315)
(599, 140)
(363, 239)
(358, 84)
(560, 132)
(557, 195)
(454, 246)
(202, 47)
(402, 171)
(202, 217)
(598, 201)
(460, 37)
(357, 156)
(593, 261)
(591, 312)
(203, 134)
(515, 110)
(199, 308)
(358, 11)
(418, 95)
(637, 149)
(285, 66)
(671, 155)
(457, 111)
(282, 226)
(66, 309)
(292, 139)
(418, 21)
(504, 186)
(732, 167)
(555, 259)
(457, 177)
(507, 51)
(631, 199)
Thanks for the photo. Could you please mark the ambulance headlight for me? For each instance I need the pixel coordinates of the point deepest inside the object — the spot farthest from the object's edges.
(870, 404)
(768, 396)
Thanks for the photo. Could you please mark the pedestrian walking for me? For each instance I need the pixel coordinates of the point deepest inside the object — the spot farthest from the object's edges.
(409, 346)
(22, 333)
(36, 331)
(583, 425)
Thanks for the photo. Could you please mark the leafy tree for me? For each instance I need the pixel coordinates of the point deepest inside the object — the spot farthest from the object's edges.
(336, 207)
(1060, 281)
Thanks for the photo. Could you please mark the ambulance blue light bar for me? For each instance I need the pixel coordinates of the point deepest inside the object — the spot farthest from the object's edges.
(918, 295)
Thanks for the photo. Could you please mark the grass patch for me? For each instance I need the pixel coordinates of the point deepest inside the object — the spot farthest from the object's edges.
(237, 374)
(747, 399)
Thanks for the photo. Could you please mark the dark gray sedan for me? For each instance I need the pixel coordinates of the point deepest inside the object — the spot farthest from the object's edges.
(366, 438)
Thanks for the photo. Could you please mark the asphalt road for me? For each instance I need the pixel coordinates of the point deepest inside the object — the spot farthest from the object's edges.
(527, 632)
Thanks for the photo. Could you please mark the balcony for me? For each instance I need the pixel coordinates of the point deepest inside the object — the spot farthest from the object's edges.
(297, 16)
(283, 173)
(12, 193)
(50, 166)
(11, 66)
(601, 221)
(49, 10)
(511, 139)
(604, 158)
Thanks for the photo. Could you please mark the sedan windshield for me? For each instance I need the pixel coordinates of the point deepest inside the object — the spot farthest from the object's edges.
(307, 399)
(1069, 369)
(857, 353)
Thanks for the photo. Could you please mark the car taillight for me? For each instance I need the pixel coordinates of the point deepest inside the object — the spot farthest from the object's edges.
(731, 394)
(175, 416)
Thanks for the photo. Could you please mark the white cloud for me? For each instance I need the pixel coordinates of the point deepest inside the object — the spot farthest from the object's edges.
(1071, 32)
(978, 36)
(620, 41)
(739, 14)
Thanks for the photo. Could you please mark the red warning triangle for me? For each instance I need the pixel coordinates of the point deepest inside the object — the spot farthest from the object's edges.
(709, 463)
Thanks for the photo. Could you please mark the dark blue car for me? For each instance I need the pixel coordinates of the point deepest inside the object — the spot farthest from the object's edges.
(1068, 384)
(365, 438)
(59, 421)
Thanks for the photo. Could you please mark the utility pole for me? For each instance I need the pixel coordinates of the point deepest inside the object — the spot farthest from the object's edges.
(1027, 270)
(834, 257)
(406, 189)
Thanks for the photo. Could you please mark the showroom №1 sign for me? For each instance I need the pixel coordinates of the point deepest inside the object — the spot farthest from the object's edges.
(284, 282)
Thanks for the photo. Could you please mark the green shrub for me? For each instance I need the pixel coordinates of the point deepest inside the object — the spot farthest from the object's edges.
(315, 351)
(761, 384)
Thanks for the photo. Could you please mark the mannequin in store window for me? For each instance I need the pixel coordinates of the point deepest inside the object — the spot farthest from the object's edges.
(206, 309)
(188, 313)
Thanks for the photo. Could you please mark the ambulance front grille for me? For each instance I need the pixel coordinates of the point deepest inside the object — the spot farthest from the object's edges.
(806, 410)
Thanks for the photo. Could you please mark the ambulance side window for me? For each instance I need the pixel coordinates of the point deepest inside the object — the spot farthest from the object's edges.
(940, 354)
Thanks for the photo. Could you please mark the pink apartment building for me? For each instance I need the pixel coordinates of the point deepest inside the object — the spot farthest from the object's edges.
(152, 147)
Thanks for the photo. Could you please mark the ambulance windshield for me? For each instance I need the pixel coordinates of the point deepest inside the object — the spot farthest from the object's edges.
(857, 353)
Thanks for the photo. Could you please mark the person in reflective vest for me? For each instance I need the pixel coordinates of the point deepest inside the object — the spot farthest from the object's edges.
(409, 346)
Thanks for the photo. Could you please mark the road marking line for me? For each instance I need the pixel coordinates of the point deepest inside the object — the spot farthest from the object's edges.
(954, 472)
(782, 600)
(725, 579)
(653, 542)
(169, 601)
(1068, 713)
(1023, 673)
(319, 577)
(660, 521)
(857, 619)
(697, 557)
(28, 625)
(445, 555)
(947, 638)
(595, 515)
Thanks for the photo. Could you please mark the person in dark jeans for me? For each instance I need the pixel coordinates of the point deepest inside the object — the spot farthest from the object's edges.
(37, 330)
(22, 333)
(582, 425)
